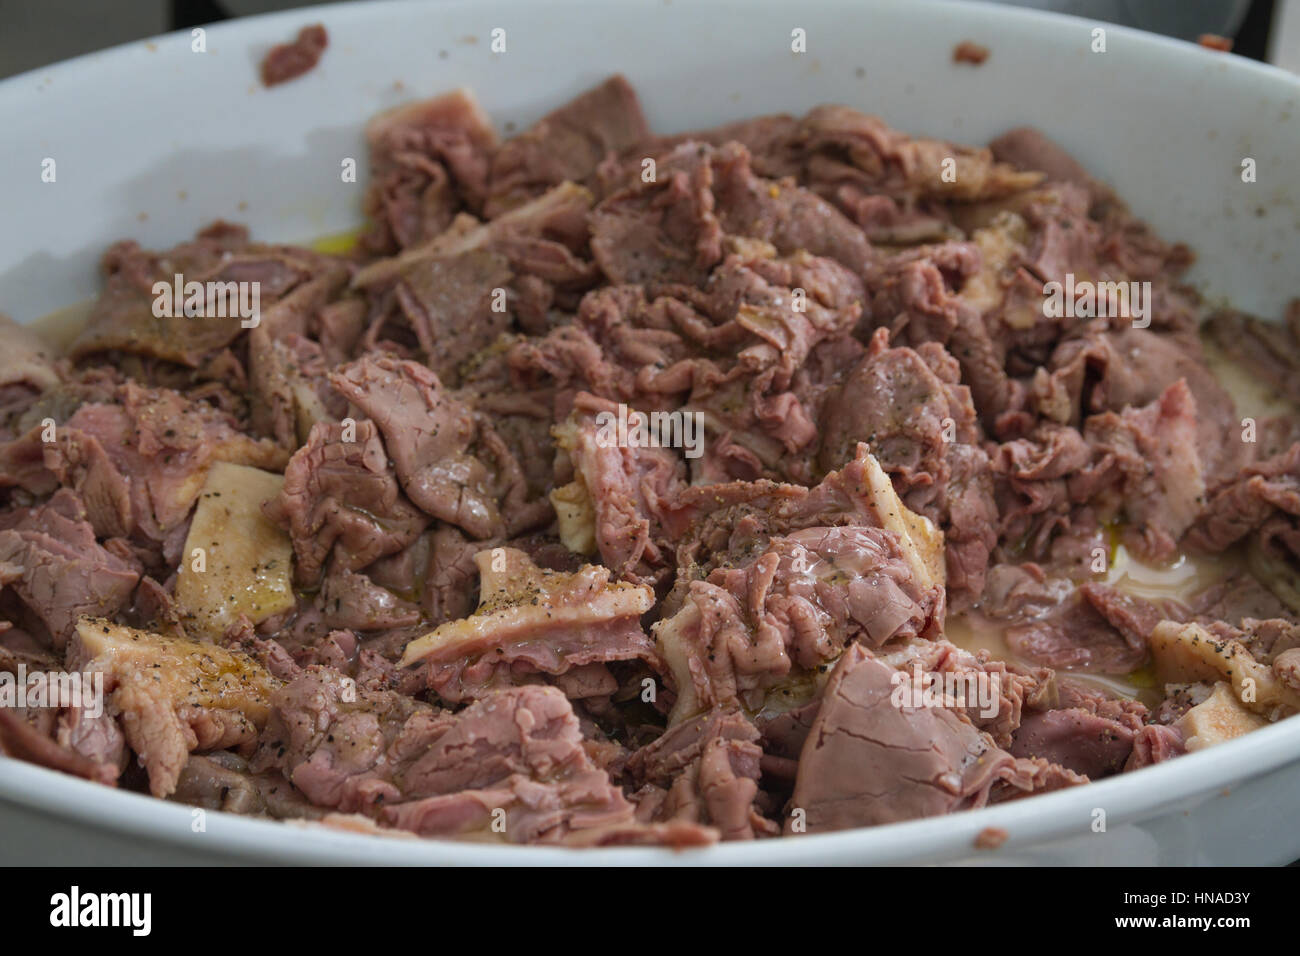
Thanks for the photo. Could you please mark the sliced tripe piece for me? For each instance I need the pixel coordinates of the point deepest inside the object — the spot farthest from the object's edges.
(174, 696)
(1188, 652)
(536, 620)
(673, 639)
(575, 509)
(918, 537)
(514, 594)
(975, 175)
(468, 235)
(575, 516)
(237, 561)
(29, 360)
(999, 243)
(1217, 719)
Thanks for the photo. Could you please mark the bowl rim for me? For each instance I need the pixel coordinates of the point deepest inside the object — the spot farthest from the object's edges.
(1062, 814)
(346, 10)
(1126, 798)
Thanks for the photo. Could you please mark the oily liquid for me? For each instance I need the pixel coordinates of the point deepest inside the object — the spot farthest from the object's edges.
(1179, 580)
(60, 327)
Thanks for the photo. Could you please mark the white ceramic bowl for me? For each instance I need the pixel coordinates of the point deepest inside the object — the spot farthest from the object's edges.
(152, 140)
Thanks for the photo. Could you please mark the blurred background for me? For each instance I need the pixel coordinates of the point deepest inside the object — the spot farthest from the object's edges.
(34, 33)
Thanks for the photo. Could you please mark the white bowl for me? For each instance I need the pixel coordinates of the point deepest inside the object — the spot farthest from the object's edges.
(152, 140)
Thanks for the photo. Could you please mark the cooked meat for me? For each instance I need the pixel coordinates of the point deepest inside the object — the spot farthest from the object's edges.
(290, 60)
(869, 761)
(341, 502)
(511, 767)
(531, 619)
(621, 489)
(968, 51)
(51, 561)
(173, 696)
(429, 161)
(566, 145)
(704, 771)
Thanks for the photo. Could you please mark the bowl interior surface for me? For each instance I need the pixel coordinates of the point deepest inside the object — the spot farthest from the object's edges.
(151, 141)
